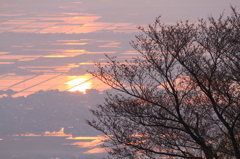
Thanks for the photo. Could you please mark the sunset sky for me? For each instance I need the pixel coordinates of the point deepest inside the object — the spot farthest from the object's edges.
(50, 44)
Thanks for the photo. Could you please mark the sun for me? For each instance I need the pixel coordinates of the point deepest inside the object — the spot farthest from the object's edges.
(79, 83)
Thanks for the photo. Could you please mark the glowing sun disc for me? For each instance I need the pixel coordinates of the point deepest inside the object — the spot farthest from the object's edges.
(80, 84)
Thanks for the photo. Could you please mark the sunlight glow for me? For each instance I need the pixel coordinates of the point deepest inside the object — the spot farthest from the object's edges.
(55, 56)
(86, 144)
(84, 138)
(96, 150)
(59, 133)
(80, 84)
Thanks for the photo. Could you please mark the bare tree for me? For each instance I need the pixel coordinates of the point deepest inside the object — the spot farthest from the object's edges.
(180, 98)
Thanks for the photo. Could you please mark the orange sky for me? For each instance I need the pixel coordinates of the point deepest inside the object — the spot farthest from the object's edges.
(46, 43)
(51, 44)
